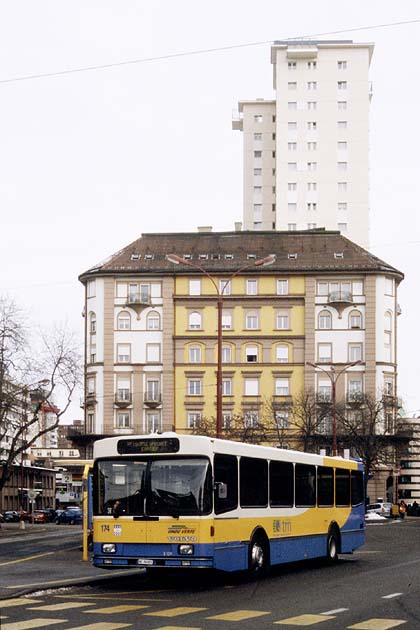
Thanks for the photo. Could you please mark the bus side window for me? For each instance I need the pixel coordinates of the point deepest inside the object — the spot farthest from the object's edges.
(325, 476)
(356, 487)
(253, 482)
(342, 487)
(305, 485)
(226, 472)
(281, 484)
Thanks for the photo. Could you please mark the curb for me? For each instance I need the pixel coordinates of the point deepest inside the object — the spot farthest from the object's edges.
(68, 583)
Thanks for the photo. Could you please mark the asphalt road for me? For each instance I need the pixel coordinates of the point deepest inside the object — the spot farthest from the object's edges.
(377, 588)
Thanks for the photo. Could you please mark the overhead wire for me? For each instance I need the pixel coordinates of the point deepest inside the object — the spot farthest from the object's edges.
(202, 51)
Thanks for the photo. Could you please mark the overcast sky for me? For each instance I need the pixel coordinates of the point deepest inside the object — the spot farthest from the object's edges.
(90, 160)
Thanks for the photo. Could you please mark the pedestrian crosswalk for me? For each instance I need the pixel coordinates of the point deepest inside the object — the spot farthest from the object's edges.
(157, 611)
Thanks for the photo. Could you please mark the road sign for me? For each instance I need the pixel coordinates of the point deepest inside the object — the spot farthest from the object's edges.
(32, 494)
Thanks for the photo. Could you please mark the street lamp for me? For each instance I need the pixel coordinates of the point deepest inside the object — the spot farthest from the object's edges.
(262, 262)
(333, 376)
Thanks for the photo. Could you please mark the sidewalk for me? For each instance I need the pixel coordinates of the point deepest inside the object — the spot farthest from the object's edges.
(13, 529)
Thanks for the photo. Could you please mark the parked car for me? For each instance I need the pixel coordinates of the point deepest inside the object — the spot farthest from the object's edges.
(12, 516)
(382, 508)
(70, 517)
(51, 514)
(39, 516)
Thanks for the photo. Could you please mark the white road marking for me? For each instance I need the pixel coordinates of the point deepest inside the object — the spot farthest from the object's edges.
(392, 595)
(334, 612)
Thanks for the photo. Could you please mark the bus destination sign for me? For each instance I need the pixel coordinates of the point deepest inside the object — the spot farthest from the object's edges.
(148, 445)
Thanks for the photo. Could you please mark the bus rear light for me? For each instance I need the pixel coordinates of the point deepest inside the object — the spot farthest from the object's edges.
(186, 550)
(109, 548)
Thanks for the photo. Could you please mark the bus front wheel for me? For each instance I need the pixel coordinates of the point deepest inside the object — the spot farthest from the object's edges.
(332, 547)
(258, 561)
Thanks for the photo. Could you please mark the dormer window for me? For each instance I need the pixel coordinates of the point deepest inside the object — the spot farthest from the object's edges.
(338, 255)
(251, 256)
(135, 256)
(203, 256)
(149, 256)
(292, 256)
(187, 256)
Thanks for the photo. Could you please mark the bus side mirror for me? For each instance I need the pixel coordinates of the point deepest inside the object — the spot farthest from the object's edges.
(221, 489)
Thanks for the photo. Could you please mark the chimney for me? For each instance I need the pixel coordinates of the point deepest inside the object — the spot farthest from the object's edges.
(204, 228)
(238, 226)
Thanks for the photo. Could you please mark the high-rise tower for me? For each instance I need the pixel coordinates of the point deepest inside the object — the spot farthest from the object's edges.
(306, 152)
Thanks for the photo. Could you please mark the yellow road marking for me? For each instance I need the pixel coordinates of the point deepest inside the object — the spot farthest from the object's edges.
(377, 624)
(62, 606)
(118, 599)
(239, 615)
(39, 555)
(19, 601)
(116, 609)
(31, 623)
(304, 620)
(103, 625)
(174, 612)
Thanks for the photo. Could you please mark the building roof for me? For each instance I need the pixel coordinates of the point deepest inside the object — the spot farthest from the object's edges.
(300, 252)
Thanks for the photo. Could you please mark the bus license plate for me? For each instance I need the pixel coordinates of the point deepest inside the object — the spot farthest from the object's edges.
(145, 561)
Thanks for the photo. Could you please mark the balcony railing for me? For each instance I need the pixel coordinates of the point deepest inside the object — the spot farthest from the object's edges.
(88, 400)
(123, 399)
(355, 398)
(152, 399)
(139, 299)
(324, 398)
(336, 297)
(389, 400)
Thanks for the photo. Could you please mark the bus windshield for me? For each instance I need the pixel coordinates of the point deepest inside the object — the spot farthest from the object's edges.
(154, 487)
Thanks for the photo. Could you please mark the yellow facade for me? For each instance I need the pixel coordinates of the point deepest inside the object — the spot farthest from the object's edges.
(261, 374)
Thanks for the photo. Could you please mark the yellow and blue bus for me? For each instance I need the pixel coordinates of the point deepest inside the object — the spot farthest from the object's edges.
(174, 500)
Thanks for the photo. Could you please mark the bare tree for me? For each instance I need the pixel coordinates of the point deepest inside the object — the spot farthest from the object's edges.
(311, 419)
(241, 427)
(35, 372)
(361, 429)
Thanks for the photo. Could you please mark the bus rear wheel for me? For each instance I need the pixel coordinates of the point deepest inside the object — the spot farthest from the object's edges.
(258, 561)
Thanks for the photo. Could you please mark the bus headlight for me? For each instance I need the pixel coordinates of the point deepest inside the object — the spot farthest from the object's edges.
(186, 550)
(109, 548)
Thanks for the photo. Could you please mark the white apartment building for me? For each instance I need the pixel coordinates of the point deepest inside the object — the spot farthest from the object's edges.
(306, 152)
(124, 345)
(356, 322)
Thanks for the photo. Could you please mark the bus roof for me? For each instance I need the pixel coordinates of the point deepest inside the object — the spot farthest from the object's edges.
(154, 444)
